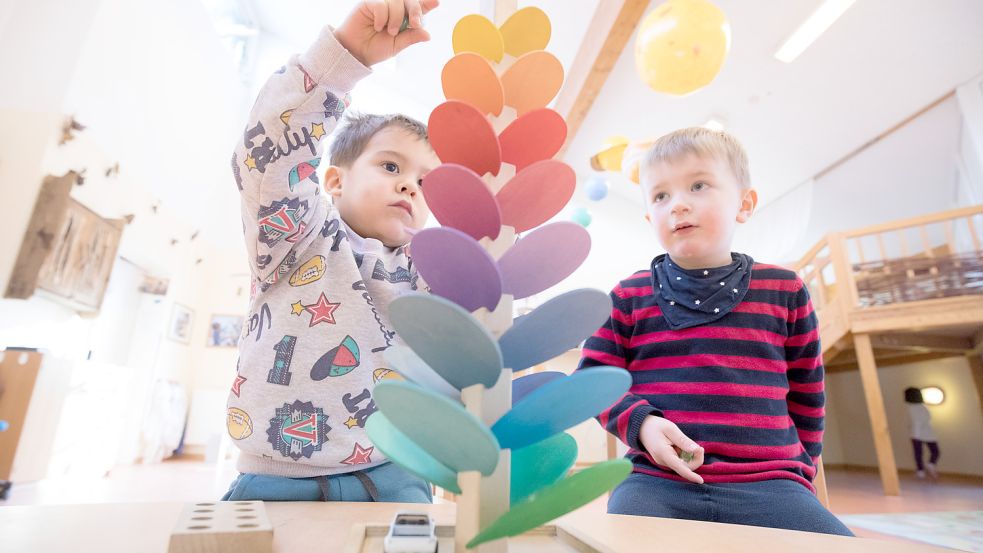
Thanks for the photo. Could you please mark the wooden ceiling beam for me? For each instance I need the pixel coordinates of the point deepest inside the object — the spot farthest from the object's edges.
(977, 343)
(922, 342)
(612, 24)
(890, 362)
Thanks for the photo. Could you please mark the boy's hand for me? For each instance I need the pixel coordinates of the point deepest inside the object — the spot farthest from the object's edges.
(372, 31)
(669, 447)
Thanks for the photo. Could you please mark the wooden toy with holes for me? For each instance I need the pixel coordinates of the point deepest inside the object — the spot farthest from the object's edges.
(219, 526)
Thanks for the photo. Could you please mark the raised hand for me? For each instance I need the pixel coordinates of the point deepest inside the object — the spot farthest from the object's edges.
(371, 32)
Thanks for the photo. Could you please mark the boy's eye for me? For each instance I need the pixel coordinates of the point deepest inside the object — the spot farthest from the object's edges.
(419, 183)
(697, 186)
(391, 167)
(661, 196)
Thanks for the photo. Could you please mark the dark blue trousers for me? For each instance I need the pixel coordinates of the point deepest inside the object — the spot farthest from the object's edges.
(772, 503)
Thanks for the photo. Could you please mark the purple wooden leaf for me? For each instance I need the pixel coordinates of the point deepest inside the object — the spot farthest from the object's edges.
(456, 267)
(543, 258)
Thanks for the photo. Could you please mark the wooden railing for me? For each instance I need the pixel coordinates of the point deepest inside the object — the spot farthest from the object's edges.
(924, 257)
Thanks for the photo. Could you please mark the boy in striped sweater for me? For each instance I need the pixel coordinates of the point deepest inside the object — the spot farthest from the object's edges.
(724, 418)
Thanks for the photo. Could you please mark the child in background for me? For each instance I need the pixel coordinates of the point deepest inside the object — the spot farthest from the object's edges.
(920, 428)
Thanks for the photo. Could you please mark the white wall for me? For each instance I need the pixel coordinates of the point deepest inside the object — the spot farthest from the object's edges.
(911, 172)
(958, 422)
(159, 95)
(970, 98)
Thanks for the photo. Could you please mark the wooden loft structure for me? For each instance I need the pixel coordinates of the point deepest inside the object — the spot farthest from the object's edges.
(899, 292)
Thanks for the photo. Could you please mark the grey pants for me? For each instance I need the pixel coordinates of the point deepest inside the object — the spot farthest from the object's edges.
(772, 503)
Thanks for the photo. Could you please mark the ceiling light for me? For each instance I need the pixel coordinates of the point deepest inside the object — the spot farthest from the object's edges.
(933, 395)
(825, 15)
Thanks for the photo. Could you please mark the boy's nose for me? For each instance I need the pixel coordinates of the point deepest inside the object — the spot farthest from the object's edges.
(410, 186)
(680, 206)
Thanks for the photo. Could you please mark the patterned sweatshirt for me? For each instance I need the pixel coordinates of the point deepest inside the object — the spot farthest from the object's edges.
(747, 387)
(311, 349)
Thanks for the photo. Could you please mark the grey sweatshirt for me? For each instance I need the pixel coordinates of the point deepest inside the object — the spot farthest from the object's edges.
(311, 349)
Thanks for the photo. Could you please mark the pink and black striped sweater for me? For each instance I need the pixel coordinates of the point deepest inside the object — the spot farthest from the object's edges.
(747, 387)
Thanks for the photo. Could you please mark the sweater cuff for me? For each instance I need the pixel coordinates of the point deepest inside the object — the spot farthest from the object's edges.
(638, 416)
(331, 65)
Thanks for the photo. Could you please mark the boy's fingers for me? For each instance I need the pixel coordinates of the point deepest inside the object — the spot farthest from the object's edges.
(415, 11)
(396, 12)
(427, 5)
(680, 468)
(380, 14)
(696, 459)
(680, 440)
(409, 37)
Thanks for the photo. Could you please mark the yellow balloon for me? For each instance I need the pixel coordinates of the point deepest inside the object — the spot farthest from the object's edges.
(681, 46)
(614, 141)
(632, 159)
(609, 158)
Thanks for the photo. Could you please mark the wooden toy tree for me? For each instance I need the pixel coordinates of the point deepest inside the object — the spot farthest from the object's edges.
(460, 420)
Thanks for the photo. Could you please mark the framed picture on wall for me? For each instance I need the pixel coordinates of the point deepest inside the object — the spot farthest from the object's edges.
(68, 251)
(179, 327)
(224, 330)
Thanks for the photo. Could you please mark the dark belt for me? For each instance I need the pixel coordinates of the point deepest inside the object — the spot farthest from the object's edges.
(322, 482)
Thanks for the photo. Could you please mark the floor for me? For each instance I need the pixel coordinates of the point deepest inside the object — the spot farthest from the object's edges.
(851, 491)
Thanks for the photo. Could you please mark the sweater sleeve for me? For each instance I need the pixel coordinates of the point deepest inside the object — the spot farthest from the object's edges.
(609, 346)
(275, 164)
(803, 352)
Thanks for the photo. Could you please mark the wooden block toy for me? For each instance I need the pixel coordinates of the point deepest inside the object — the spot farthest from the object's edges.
(223, 526)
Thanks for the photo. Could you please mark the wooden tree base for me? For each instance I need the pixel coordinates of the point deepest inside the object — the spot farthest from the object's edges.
(545, 539)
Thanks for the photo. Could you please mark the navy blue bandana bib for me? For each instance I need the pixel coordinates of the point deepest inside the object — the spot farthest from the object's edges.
(699, 296)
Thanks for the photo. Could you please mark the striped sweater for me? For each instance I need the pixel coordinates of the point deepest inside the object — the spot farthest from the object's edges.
(748, 387)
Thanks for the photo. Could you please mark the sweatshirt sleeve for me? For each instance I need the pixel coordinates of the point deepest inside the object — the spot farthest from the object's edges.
(609, 346)
(275, 165)
(803, 353)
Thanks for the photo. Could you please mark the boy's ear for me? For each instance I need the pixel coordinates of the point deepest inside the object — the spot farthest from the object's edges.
(748, 202)
(332, 181)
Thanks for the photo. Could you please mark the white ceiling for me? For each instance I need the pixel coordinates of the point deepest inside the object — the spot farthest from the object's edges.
(411, 84)
(881, 62)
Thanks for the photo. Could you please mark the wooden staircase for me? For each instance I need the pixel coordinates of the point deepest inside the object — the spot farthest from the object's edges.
(895, 293)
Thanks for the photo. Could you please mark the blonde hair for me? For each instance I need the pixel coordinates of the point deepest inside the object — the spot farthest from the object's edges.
(702, 142)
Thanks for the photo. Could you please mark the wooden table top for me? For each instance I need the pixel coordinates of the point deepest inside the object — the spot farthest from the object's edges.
(315, 527)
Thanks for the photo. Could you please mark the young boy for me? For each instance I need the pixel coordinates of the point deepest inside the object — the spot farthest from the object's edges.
(324, 272)
(724, 419)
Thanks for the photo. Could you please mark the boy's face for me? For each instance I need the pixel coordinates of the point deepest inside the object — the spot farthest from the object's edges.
(694, 204)
(380, 195)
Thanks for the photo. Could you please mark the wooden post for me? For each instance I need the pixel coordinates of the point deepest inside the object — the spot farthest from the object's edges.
(972, 233)
(878, 418)
(612, 446)
(845, 284)
(485, 499)
(976, 369)
(819, 482)
(498, 10)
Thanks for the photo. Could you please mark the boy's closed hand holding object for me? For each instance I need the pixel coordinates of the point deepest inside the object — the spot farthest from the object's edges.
(374, 31)
(670, 448)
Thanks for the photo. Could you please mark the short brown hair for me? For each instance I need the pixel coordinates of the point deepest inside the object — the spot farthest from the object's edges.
(702, 142)
(351, 140)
